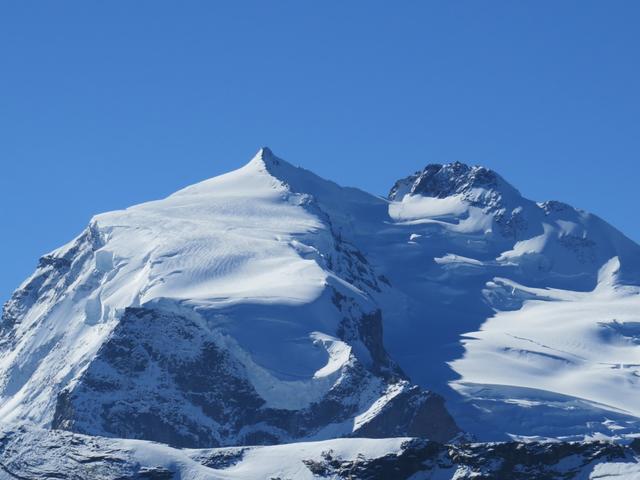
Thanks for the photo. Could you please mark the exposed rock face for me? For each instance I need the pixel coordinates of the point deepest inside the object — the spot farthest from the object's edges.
(411, 413)
(54, 275)
(441, 181)
(147, 379)
(165, 377)
(518, 461)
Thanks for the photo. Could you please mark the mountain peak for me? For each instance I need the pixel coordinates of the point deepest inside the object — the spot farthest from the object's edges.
(265, 157)
(444, 180)
(265, 151)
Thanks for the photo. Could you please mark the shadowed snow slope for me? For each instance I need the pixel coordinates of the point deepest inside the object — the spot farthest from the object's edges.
(249, 309)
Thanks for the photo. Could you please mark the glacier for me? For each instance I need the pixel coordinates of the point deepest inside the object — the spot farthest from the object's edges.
(269, 306)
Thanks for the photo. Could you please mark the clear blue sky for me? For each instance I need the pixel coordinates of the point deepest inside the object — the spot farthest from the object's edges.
(107, 104)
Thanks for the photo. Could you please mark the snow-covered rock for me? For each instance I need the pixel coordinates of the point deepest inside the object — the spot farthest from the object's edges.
(33, 453)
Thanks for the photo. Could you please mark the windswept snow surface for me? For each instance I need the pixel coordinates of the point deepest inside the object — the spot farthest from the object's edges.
(578, 344)
(325, 302)
(583, 344)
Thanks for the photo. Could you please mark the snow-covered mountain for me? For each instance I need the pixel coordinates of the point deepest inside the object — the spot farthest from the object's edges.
(232, 312)
(268, 305)
(535, 307)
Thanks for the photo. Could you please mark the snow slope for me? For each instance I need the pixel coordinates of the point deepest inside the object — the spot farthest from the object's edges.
(583, 344)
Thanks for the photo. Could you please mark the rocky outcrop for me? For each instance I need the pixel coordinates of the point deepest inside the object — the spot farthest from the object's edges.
(166, 377)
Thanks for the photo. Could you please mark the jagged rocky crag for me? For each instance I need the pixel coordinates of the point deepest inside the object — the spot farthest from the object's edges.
(268, 306)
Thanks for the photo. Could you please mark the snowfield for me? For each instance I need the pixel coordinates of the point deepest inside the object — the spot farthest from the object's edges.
(581, 344)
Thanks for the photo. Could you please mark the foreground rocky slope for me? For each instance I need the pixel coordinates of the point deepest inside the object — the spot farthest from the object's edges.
(36, 454)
